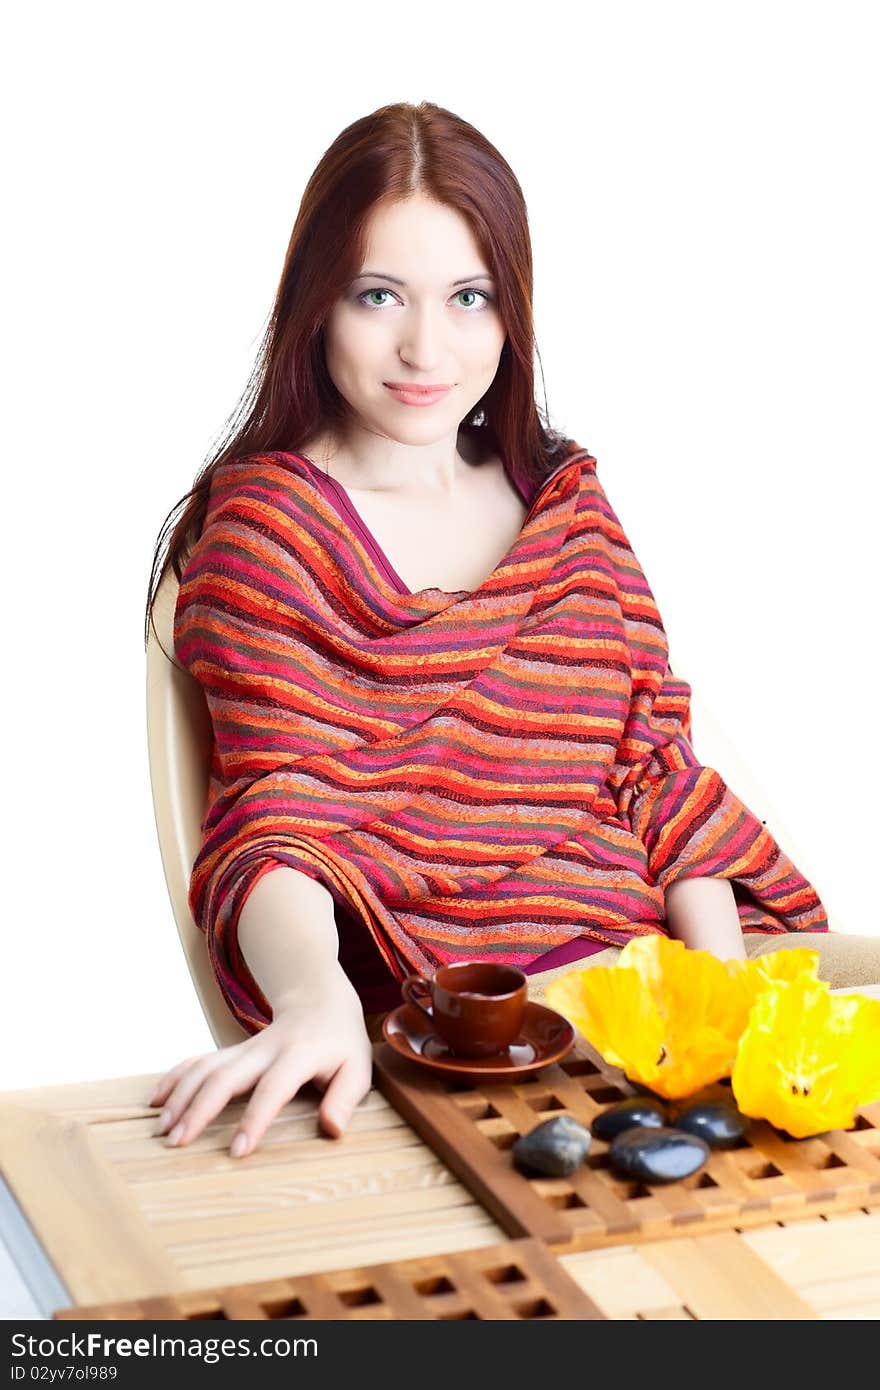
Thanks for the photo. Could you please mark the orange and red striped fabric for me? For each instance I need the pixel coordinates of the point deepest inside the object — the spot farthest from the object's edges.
(485, 774)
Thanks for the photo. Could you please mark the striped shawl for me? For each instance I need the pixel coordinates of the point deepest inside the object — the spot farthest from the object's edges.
(470, 774)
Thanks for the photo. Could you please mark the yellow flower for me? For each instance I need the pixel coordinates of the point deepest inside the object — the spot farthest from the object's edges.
(751, 977)
(808, 1059)
(788, 963)
(669, 1016)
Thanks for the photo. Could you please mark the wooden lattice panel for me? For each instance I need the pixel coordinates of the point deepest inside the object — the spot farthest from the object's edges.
(513, 1280)
(768, 1178)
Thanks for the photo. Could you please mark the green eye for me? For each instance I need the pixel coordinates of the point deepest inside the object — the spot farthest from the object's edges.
(481, 295)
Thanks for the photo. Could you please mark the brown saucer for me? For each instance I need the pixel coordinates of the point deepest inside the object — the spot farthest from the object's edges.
(545, 1036)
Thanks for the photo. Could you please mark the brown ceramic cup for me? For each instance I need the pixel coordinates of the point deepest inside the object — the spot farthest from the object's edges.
(476, 1007)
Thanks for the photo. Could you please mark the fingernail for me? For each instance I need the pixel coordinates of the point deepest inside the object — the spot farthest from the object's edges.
(239, 1144)
(164, 1120)
(175, 1134)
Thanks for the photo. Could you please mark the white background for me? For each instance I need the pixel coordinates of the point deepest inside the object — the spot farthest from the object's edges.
(701, 183)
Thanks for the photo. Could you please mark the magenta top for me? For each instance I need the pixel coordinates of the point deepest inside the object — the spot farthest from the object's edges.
(358, 953)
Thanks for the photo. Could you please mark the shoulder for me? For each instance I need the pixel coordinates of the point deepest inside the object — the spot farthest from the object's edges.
(572, 460)
(271, 479)
(576, 453)
(271, 468)
(573, 464)
(254, 501)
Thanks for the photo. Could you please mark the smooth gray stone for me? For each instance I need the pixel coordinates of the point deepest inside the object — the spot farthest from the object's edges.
(717, 1121)
(657, 1155)
(638, 1110)
(556, 1147)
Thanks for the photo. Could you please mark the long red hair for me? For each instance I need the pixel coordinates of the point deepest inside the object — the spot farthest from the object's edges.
(391, 154)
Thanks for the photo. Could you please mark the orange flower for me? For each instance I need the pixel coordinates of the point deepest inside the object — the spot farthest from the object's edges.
(808, 1059)
(669, 1016)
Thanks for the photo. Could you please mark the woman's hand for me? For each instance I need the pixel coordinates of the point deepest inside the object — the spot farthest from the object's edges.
(315, 1036)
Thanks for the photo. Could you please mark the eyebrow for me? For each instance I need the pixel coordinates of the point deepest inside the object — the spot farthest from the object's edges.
(380, 275)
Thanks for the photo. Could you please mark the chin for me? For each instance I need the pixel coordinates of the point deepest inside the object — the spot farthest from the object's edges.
(417, 421)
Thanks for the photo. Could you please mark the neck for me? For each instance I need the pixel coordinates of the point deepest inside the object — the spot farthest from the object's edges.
(363, 460)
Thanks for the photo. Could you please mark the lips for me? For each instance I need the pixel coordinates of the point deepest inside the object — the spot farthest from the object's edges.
(416, 395)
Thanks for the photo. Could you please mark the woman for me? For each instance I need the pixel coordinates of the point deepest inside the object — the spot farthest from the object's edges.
(444, 717)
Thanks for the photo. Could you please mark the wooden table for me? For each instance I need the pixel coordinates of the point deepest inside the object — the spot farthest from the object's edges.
(374, 1224)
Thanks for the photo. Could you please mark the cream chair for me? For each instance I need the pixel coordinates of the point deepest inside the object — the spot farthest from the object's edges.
(180, 743)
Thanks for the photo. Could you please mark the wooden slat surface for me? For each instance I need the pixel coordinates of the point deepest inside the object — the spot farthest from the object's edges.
(823, 1267)
(126, 1217)
(81, 1211)
(193, 1217)
(833, 1263)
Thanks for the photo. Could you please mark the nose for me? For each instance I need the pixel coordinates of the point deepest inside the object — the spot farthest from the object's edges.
(420, 339)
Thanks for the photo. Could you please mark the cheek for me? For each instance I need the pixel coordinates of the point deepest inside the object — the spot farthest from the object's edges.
(349, 345)
(485, 348)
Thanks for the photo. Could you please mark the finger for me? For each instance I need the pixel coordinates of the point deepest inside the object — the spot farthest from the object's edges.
(166, 1081)
(186, 1087)
(347, 1089)
(279, 1085)
(230, 1079)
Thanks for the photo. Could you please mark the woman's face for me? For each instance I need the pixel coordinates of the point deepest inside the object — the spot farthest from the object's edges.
(422, 313)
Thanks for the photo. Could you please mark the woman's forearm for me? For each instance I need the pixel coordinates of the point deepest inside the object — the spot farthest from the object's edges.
(287, 934)
(702, 913)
